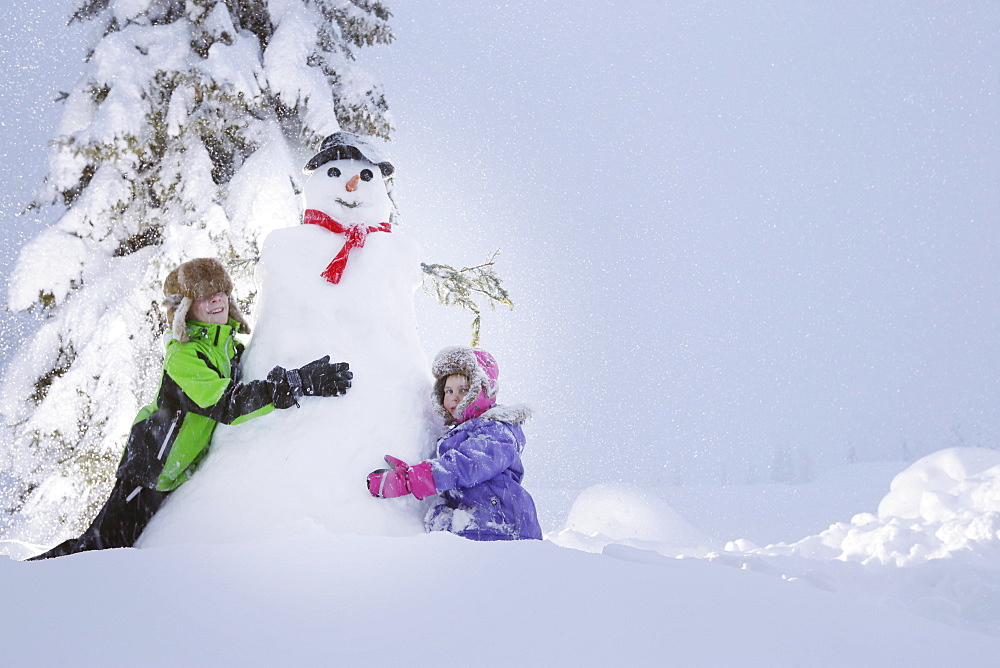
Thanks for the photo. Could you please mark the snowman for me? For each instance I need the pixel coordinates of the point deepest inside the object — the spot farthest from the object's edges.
(339, 284)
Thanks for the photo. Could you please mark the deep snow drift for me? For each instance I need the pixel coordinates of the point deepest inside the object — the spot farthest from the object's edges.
(932, 548)
(857, 594)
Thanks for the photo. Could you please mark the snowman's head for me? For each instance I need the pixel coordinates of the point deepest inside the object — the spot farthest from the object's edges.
(351, 191)
(349, 180)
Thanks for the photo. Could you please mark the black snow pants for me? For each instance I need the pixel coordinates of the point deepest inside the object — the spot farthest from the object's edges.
(119, 524)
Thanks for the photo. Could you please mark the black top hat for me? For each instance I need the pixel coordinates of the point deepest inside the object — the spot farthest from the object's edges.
(347, 145)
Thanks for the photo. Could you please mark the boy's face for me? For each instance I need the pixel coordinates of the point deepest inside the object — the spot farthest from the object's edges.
(455, 388)
(213, 309)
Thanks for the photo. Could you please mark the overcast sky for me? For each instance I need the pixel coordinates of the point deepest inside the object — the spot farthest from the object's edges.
(728, 227)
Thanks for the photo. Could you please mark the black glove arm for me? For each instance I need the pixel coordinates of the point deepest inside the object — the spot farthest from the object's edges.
(316, 379)
(237, 400)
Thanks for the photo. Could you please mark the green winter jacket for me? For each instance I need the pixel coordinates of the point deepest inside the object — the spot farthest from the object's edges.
(199, 389)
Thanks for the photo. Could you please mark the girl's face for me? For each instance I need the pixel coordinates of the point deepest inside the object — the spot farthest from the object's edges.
(455, 388)
(213, 309)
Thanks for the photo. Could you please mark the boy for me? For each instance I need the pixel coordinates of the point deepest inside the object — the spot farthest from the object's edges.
(200, 388)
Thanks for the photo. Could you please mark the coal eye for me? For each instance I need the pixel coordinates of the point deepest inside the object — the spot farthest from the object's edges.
(333, 172)
(366, 175)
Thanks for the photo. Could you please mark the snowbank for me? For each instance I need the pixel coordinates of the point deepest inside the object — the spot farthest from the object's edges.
(878, 586)
(933, 548)
(310, 597)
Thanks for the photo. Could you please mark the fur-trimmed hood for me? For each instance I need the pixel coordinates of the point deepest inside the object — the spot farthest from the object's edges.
(512, 414)
(483, 373)
(196, 278)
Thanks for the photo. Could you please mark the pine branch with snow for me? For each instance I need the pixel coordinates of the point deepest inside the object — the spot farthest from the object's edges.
(461, 287)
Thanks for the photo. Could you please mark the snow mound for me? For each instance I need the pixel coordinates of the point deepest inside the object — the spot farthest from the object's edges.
(946, 486)
(608, 513)
(944, 504)
(933, 548)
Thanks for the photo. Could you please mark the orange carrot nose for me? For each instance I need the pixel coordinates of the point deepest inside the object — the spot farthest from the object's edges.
(352, 185)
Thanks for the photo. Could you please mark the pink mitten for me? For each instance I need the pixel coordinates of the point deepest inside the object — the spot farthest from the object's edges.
(421, 480)
(401, 479)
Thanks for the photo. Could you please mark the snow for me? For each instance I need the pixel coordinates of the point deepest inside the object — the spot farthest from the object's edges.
(57, 256)
(613, 514)
(260, 195)
(302, 594)
(288, 75)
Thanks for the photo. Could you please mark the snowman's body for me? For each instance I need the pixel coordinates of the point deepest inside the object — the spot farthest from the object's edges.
(309, 464)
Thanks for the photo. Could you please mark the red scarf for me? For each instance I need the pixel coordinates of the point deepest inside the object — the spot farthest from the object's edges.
(356, 235)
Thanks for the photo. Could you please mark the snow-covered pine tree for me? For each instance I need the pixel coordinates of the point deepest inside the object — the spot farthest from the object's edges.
(183, 138)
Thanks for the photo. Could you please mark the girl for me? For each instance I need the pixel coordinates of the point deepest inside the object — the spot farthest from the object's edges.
(478, 470)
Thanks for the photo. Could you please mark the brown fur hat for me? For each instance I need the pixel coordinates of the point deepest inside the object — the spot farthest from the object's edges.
(201, 277)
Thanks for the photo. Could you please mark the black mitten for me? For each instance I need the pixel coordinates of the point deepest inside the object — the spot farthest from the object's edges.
(322, 379)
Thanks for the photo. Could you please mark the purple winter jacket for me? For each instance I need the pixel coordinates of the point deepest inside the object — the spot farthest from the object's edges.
(478, 475)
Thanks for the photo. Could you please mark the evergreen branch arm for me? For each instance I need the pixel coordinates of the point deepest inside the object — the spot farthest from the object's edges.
(460, 287)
